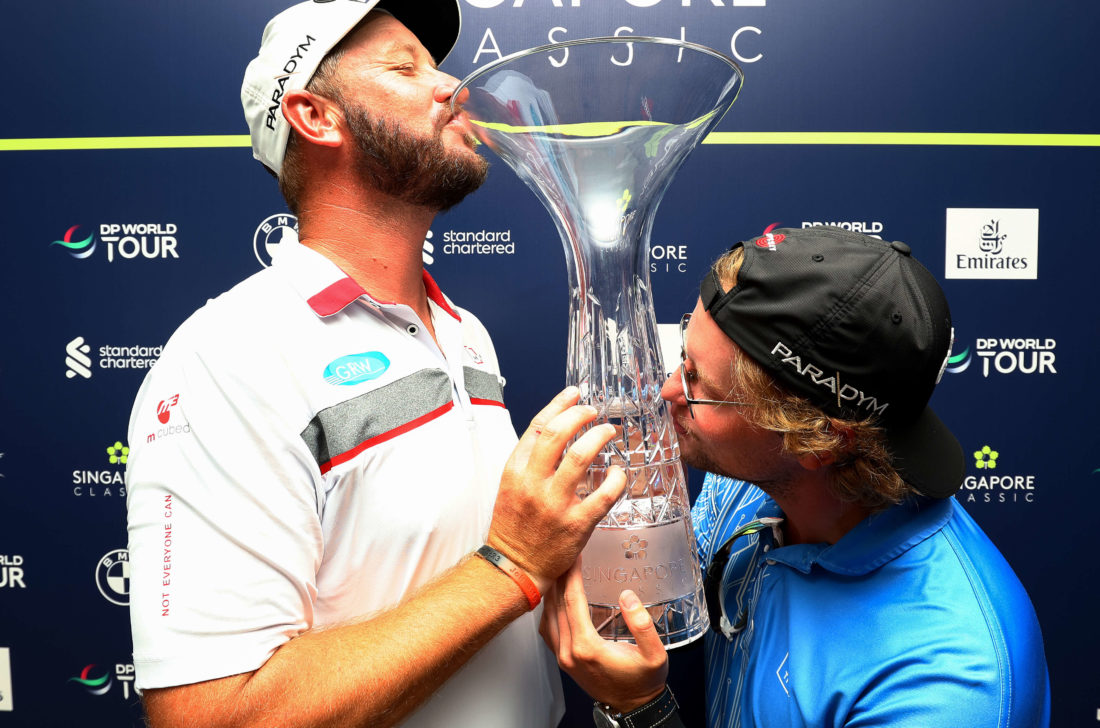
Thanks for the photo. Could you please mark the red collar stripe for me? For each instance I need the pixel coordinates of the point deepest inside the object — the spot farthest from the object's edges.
(336, 297)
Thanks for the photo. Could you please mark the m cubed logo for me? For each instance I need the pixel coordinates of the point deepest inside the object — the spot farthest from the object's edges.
(356, 368)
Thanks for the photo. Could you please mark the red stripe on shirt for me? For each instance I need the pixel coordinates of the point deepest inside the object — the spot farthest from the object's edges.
(379, 439)
(431, 288)
(336, 297)
(493, 402)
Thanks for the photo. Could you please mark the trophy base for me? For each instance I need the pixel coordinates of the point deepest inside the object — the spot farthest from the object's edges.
(679, 621)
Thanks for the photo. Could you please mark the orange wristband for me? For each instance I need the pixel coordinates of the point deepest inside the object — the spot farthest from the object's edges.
(518, 575)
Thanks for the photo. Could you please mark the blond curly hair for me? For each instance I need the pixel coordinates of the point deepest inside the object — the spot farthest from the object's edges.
(863, 470)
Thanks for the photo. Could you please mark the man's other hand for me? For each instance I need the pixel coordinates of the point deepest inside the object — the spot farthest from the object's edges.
(620, 674)
(539, 522)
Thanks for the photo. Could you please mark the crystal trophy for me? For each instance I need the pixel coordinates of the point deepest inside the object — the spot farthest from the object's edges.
(597, 129)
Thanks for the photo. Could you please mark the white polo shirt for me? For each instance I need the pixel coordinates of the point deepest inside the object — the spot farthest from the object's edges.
(304, 454)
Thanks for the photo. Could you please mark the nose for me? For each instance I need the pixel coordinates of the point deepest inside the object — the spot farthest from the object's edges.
(445, 88)
(672, 390)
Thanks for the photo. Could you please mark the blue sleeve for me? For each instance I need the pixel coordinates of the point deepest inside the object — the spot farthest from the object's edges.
(724, 505)
(917, 697)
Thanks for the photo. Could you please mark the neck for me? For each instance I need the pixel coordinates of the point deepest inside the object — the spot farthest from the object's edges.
(814, 515)
(379, 243)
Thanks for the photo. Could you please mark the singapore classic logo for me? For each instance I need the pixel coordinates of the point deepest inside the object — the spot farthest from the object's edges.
(103, 482)
(992, 484)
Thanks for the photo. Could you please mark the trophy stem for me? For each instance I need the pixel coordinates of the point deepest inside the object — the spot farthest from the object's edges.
(599, 152)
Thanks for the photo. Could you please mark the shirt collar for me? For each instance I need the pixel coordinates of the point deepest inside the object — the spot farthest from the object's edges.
(328, 289)
(876, 540)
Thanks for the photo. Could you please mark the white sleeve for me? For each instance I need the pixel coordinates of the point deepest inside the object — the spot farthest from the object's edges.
(225, 538)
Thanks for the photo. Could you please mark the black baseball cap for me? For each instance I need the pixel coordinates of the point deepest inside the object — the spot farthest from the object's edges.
(856, 326)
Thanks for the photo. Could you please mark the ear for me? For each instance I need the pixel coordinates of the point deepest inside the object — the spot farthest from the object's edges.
(817, 460)
(316, 119)
(823, 458)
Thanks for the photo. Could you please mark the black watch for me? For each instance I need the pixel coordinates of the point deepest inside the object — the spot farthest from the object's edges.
(656, 712)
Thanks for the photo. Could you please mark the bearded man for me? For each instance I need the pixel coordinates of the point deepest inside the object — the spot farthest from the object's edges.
(331, 521)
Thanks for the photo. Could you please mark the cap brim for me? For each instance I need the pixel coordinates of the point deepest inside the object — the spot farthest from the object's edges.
(928, 456)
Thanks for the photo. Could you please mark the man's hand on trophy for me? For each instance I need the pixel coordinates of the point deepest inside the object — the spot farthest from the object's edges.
(620, 674)
(539, 522)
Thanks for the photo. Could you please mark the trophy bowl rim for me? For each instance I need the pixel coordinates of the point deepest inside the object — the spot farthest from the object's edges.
(548, 47)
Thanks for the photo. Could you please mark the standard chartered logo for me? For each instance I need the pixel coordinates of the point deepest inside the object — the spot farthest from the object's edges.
(428, 249)
(77, 359)
(476, 242)
(79, 363)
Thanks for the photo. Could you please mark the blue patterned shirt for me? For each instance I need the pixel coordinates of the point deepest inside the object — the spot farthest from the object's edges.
(913, 619)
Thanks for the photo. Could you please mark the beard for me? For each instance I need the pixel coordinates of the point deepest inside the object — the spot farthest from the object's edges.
(694, 454)
(418, 170)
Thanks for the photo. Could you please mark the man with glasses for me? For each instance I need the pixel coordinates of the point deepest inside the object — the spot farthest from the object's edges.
(845, 586)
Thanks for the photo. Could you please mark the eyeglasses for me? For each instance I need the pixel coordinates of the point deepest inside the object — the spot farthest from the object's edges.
(712, 581)
(685, 378)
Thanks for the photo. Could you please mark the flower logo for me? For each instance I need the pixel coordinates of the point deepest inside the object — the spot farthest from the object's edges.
(635, 548)
(118, 453)
(986, 458)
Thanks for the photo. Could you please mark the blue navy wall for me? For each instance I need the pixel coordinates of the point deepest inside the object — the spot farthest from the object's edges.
(153, 232)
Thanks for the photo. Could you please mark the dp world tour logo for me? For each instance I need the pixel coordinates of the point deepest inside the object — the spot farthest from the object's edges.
(77, 248)
(356, 368)
(94, 685)
(959, 362)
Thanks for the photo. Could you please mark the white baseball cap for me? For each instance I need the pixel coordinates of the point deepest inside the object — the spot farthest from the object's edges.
(296, 41)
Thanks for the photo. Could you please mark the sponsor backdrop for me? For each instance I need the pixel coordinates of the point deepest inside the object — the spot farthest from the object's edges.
(967, 130)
